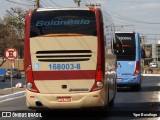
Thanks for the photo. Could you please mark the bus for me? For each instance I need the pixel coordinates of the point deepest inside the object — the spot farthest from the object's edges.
(129, 61)
(69, 58)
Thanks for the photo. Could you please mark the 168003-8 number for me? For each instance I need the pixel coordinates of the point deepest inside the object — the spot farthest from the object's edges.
(64, 66)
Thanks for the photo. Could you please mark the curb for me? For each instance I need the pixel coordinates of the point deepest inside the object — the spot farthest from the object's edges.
(11, 96)
(150, 74)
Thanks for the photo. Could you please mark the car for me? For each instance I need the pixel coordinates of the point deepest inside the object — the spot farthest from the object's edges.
(153, 65)
(15, 73)
(2, 78)
(2, 74)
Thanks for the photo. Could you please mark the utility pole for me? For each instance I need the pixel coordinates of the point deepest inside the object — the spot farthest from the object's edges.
(78, 2)
(156, 50)
(143, 46)
(37, 4)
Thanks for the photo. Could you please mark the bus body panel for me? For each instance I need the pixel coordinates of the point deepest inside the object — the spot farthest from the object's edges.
(138, 47)
(78, 100)
(68, 47)
(110, 57)
(55, 86)
(64, 68)
(62, 73)
(125, 71)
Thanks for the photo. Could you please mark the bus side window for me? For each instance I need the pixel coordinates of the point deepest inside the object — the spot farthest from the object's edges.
(117, 46)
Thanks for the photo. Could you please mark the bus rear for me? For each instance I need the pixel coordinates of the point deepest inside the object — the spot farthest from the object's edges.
(128, 62)
(64, 59)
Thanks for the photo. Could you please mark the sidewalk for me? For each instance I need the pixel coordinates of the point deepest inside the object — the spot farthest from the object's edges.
(6, 94)
(150, 74)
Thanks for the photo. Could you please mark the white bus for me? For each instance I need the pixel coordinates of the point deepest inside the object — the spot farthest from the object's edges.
(69, 58)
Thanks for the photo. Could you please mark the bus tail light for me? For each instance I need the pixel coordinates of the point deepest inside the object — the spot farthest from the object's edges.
(137, 69)
(98, 79)
(30, 82)
(92, 9)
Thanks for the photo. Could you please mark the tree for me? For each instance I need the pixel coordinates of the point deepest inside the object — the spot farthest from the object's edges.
(4, 33)
(12, 31)
(14, 20)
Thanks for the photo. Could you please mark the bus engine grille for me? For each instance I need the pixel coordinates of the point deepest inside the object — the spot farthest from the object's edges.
(63, 55)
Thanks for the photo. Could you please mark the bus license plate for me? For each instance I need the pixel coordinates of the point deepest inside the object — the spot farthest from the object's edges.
(64, 99)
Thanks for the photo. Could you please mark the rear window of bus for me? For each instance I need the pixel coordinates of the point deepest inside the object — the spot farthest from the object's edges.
(129, 46)
(63, 22)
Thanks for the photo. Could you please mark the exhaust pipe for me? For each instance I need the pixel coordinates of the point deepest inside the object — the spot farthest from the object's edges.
(38, 103)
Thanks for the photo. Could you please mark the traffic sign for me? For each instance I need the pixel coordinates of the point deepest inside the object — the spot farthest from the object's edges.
(11, 54)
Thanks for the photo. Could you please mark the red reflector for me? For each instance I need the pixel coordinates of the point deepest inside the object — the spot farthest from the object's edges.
(29, 78)
(99, 73)
(98, 76)
(98, 79)
(137, 69)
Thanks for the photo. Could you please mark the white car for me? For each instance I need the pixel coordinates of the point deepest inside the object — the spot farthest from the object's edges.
(153, 65)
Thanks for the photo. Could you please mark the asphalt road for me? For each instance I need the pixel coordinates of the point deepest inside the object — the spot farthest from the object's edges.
(128, 105)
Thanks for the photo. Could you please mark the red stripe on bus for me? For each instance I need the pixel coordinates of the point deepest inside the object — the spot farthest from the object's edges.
(64, 75)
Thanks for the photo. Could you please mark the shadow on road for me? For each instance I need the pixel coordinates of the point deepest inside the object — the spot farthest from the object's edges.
(143, 89)
(75, 114)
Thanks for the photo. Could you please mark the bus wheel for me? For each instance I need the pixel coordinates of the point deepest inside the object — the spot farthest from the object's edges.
(111, 103)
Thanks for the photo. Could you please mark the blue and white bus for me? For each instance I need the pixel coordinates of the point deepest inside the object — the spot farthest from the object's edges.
(129, 61)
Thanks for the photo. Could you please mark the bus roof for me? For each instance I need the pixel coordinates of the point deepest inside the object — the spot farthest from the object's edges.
(125, 32)
(52, 9)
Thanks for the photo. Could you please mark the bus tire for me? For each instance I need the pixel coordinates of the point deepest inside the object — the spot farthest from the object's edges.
(138, 87)
(111, 103)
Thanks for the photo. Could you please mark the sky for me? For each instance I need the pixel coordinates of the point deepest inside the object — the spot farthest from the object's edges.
(142, 16)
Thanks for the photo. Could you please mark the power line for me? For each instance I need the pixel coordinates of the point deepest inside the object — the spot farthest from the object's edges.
(28, 1)
(43, 4)
(124, 1)
(151, 34)
(49, 3)
(55, 4)
(19, 3)
(130, 19)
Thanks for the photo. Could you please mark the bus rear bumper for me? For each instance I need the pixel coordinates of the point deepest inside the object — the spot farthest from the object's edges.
(128, 82)
(67, 101)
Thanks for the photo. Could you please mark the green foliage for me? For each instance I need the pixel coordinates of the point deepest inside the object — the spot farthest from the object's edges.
(12, 30)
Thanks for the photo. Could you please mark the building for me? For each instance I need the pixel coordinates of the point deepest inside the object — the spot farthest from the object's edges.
(152, 51)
